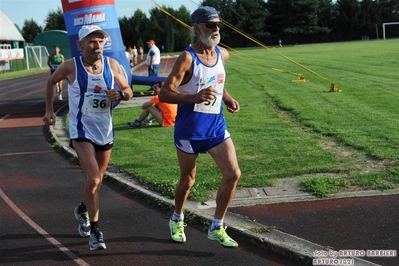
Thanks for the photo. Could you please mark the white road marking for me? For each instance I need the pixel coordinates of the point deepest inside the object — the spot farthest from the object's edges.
(4, 117)
(41, 231)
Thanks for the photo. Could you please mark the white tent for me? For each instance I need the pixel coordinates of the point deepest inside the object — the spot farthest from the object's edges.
(8, 31)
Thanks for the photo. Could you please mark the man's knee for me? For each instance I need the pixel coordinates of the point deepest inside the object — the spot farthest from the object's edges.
(186, 182)
(94, 184)
(233, 176)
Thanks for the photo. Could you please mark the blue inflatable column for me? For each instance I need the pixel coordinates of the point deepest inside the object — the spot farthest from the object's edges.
(103, 14)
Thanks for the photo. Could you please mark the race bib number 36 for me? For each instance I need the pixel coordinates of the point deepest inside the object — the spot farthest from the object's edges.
(96, 104)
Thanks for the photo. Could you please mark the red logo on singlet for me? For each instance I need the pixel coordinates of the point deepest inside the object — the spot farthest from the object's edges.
(97, 88)
(220, 78)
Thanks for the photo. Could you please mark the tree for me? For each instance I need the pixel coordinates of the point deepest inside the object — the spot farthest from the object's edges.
(299, 20)
(138, 23)
(170, 37)
(220, 5)
(126, 31)
(280, 14)
(55, 20)
(248, 17)
(30, 29)
(155, 28)
(132, 28)
(163, 27)
(370, 12)
(347, 18)
(181, 33)
(253, 25)
(305, 18)
(166, 30)
(389, 10)
(325, 13)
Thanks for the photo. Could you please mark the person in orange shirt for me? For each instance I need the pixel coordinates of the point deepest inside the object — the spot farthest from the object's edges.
(163, 113)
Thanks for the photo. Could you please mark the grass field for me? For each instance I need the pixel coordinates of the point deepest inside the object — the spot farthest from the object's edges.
(287, 129)
(21, 73)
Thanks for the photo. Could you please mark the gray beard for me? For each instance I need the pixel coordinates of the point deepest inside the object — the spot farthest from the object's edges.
(208, 41)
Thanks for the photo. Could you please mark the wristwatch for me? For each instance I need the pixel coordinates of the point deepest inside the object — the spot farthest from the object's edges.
(122, 95)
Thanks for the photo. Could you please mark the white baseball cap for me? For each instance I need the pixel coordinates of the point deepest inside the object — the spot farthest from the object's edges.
(89, 29)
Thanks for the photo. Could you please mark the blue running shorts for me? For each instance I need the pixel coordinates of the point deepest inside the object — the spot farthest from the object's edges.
(200, 146)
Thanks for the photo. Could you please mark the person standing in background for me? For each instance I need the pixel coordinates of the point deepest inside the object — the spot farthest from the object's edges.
(153, 59)
(141, 53)
(135, 55)
(128, 57)
(53, 61)
(130, 51)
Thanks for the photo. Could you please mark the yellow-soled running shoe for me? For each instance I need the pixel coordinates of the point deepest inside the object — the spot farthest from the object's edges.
(177, 230)
(221, 235)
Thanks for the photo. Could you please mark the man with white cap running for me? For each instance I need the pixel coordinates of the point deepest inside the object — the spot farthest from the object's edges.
(92, 78)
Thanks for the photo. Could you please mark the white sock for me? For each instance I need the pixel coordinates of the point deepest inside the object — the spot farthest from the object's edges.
(177, 217)
(216, 223)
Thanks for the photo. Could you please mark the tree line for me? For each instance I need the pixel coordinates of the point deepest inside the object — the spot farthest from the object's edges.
(293, 21)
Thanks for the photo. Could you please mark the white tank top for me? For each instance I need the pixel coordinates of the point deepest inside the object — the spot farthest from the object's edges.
(90, 110)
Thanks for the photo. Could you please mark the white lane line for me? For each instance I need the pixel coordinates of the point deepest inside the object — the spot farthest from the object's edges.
(1, 118)
(41, 231)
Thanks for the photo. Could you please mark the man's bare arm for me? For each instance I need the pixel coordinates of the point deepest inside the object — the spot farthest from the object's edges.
(120, 79)
(65, 71)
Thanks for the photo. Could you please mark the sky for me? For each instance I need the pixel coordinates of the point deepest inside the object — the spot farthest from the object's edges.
(20, 10)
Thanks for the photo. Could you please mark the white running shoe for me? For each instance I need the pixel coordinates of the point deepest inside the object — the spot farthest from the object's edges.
(97, 240)
(147, 121)
(84, 222)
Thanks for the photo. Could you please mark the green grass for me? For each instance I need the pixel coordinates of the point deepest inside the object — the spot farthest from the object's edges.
(21, 73)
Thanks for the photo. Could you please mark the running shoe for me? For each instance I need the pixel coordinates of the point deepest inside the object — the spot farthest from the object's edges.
(177, 230)
(147, 121)
(97, 240)
(134, 124)
(60, 97)
(221, 235)
(84, 222)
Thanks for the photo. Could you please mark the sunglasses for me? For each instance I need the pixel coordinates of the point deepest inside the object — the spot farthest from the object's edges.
(212, 25)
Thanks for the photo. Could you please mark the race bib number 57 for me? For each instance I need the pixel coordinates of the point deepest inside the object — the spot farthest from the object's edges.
(212, 107)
